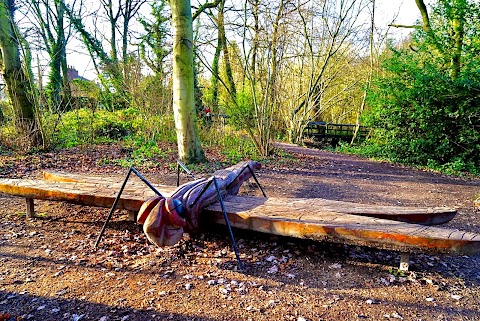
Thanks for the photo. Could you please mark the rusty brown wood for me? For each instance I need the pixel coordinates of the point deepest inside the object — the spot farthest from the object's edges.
(30, 208)
(424, 216)
(90, 194)
(303, 222)
(102, 194)
(133, 181)
(302, 218)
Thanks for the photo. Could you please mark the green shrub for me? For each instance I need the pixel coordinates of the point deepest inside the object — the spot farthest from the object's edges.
(233, 144)
(84, 126)
(424, 105)
(420, 115)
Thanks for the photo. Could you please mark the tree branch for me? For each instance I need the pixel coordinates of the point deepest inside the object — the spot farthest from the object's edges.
(405, 26)
(425, 18)
(204, 7)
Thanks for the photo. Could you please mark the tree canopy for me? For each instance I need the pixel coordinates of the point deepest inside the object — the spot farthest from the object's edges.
(259, 69)
(425, 99)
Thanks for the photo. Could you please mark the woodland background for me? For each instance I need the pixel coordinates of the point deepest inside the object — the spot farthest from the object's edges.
(263, 68)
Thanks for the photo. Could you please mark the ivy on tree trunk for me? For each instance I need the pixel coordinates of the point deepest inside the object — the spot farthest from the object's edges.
(189, 148)
(18, 86)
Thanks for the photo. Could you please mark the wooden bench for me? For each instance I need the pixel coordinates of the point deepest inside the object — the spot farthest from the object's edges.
(396, 228)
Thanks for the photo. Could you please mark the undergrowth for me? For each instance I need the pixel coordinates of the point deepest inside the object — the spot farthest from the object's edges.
(141, 135)
(456, 167)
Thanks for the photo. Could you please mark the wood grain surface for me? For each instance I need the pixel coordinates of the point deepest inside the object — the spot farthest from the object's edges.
(318, 219)
(297, 218)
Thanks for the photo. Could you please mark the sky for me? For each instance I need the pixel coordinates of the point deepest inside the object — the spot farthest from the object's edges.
(405, 11)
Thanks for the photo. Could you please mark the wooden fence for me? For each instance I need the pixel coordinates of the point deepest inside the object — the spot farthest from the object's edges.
(332, 134)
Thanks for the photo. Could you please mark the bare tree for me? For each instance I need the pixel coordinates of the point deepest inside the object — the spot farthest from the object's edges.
(119, 15)
(262, 63)
(128, 10)
(20, 88)
(221, 47)
(331, 50)
(100, 57)
(49, 20)
(369, 77)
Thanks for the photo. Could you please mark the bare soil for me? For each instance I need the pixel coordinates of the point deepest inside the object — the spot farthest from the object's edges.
(49, 269)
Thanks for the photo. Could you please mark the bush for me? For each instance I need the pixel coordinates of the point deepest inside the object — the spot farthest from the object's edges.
(421, 116)
(113, 130)
(84, 126)
(425, 100)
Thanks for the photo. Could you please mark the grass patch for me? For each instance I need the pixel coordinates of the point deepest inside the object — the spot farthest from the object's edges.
(232, 145)
(457, 167)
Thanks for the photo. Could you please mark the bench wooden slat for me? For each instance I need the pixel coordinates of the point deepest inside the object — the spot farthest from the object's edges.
(426, 216)
(303, 218)
(90, 194)
(281, 219)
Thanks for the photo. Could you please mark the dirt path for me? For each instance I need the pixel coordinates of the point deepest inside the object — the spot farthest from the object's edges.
(349, 178)
(49, 270)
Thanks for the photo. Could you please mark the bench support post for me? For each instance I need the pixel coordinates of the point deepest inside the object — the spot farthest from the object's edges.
(132, 216)
(404, 262)
(30, 208)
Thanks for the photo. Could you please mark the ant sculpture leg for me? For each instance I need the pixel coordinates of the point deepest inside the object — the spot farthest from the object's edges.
(132, 169)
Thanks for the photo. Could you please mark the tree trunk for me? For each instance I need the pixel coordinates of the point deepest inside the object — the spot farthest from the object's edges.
(18, 85)
(370, 73)
(50, 17)
(226, 55)
(216, 73)
(425, 18)
(255, 4)
(67, 93)
(189, 149)
(56, 81)
(98, 53)
(458, 20)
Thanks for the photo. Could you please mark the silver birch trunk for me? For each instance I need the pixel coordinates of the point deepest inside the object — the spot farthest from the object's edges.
(189, 148)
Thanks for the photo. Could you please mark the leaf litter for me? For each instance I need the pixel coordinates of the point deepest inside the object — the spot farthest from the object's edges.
(50, 270)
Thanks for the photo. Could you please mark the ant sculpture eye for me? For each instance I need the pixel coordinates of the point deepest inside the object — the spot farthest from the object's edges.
(178, 206)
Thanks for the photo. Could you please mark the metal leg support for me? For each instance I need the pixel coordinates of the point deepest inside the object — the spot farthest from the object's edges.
(254, 177)
(227, 222)
(182, 165)
(204, 189)
(143, 179)
(256, 180)
(132, 169)
(220, 198)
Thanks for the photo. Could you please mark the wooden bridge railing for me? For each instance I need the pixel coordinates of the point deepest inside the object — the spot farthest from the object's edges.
(333, 133)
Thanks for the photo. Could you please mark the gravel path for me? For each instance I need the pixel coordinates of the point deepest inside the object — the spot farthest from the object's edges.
(50, 271)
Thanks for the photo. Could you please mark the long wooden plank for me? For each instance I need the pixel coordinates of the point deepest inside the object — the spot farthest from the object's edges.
(293, 220)
(103, 193)
(133, 181)
(90, 194)
(424, 216)
(301, 218)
